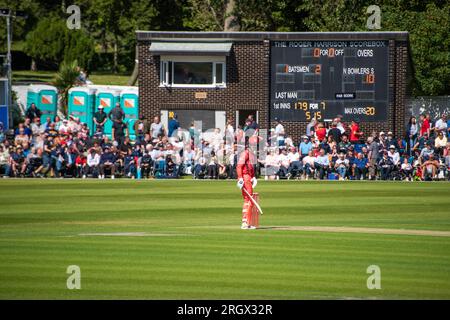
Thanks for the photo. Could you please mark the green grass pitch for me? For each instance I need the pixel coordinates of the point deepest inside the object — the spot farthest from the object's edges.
(180, 239)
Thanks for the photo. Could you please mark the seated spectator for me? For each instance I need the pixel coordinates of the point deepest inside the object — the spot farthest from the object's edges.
(295, 166)
(308, 165)
(344, 144)
(283, 159)
(212, 166)
(199, 165)
(341, 166)
(385, 166)
(80, 164)
(4, 160)
(430, 168)
(93, 162)
(440, 143)
(407, 169)
(322, 164)
(394, 156)
(361, 167)
(305, 146)
(107, 161)
(426, 152)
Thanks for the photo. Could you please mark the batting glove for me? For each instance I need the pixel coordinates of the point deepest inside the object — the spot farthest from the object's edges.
(240, 183)
(254, 182)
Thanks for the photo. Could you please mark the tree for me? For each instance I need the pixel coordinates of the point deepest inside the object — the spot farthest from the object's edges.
(54, 43)
(65, 79)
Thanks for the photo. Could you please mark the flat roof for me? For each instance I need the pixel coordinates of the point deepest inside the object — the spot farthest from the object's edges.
(260, 36)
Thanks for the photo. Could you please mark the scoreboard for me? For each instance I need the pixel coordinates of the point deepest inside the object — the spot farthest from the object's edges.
(323, 79)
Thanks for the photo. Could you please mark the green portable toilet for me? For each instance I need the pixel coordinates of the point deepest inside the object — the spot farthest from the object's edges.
(45, 98)
(82, 105)
(129, 101)
(106, 97)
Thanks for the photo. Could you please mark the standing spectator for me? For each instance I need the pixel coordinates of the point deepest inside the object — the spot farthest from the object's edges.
(310, 128)
(321, 132)
(116, 114)
(229, 133)
(355, 132)
(156, 128)
(279, 133)
(425, 126)
(335, 132)
(119, 131)
(141, 127)
(412, 130)
(173, 124)
(100, 118)
(373, 149)
(33, 112)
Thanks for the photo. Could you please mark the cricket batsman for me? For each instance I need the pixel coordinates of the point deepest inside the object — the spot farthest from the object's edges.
(247, 181)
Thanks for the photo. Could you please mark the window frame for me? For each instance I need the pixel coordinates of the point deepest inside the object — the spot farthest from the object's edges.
(167, 64)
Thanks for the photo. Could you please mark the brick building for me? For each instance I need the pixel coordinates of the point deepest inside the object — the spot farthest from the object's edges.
(214, 77)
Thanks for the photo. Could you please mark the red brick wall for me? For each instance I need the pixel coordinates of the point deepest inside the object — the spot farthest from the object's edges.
(247, 77)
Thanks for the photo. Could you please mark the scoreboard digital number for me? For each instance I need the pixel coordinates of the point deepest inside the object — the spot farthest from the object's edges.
(323, 79)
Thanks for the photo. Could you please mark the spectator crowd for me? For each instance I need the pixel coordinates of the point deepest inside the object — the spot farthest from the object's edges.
(332, 150)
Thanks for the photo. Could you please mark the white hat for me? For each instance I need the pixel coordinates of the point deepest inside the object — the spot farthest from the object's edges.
(382, 133)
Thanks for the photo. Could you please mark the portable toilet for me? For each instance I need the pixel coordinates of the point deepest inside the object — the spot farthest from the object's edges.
(45, 98)
(129, 102)
(106, 97)
(82, 105)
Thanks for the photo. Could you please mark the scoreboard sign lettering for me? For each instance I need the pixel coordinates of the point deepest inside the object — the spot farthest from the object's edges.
(323, 79)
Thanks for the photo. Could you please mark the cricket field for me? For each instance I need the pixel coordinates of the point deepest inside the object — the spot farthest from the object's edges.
(181, 239)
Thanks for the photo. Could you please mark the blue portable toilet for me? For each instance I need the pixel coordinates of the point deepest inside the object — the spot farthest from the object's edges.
(129, 102)
(107, 97)
(82, 105)
(45, 98)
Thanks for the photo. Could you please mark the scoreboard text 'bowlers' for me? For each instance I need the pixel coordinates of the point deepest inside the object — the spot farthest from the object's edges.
(321, 79)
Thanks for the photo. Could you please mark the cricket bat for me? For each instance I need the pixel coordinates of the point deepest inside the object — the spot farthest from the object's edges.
(254, 202)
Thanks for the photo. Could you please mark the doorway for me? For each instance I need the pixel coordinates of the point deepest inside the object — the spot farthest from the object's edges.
(241, 115)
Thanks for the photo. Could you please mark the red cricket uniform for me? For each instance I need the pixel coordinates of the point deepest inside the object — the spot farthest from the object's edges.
(246, 171)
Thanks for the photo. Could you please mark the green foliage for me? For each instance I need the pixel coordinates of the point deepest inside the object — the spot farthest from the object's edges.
(110, 27)
(430, 44)
(65, 79)
(53, 42)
